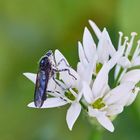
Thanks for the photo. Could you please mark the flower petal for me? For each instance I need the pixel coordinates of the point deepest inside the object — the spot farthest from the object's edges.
(106, 123)
(131, 76)
(117, 70)
(102, 49)
(100, 81)
(72, 114)
(105, 47)
(89, 45)
(118, 93)
(59, 57)
(89, 70)
(50, 103)
(95, 29)
(111, 48)
(81, 70)
(68, 75)
(31, 76)
(124, 62)
(116, 57)
(114, 110)
(101, 118)
(51, 85)
(82, 57)
(87, 93)
(70, 78)
(85, 72)
(94, 112)
(136, 61)
(132, 96)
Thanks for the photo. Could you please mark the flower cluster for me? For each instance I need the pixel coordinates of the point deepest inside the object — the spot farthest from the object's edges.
(89, 88)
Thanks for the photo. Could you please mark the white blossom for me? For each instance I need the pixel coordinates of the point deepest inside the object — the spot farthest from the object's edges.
(88, 88)
(93, 56)
(68, 92)
(104, 102)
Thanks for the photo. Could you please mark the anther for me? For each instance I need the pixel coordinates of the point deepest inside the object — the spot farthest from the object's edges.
(120, 39)
(133, 34)
(128, 50)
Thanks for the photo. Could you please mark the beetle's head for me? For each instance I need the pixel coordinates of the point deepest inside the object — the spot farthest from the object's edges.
(49, 53)
(46, 60)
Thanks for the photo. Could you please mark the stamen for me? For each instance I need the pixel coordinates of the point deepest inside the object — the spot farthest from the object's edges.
(125, 41)
(70, 95)
(128, 50)
(120, 39)
(73, 92)
(98, 104)
(125, 44)
(133, 34)
(137, 50)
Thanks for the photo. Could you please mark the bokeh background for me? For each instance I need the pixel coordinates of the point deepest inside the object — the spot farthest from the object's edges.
(29, 28)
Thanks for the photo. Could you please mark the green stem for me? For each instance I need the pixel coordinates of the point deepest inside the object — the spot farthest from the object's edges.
(96, 134)
(83, 105)
(118, 77)
(133, 68)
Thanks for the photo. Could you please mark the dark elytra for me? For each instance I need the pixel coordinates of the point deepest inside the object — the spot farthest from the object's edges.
(44, 74)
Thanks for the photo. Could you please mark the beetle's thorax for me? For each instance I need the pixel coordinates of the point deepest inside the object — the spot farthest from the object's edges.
(45, 63)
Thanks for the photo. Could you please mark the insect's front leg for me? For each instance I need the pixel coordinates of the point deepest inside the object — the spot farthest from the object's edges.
(63, 60)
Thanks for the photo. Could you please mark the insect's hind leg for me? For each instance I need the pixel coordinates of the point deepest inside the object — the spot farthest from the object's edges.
(57, 83)
(49, 91)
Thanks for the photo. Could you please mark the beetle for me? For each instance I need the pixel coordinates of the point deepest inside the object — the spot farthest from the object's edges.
(43, 76)
(47, 70)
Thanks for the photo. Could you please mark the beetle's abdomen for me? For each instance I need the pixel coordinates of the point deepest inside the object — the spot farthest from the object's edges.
(40, 89)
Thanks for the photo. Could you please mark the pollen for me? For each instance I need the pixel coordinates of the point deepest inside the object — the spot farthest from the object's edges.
(69, 95)
(98, 67)
(98, 104)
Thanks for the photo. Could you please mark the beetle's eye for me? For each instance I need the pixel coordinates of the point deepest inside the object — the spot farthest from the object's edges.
(42, 62)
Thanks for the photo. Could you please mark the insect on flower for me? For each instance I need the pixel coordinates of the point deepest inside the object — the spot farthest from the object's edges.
(47, 70)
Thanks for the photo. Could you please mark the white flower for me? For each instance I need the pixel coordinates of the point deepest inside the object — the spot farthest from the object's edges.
(88, 87)
(104, 102)
(134, 77)
(59, 97)
(93, 56)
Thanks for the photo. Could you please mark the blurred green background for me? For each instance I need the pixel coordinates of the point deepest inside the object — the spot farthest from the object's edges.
(29, 28)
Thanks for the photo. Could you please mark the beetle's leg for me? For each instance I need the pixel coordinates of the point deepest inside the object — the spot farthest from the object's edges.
(63, 60)
(61, 70)
(58, 83)
(57, 93)
(53, 91)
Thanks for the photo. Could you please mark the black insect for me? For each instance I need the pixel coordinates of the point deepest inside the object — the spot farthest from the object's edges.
(47, 70)
(44, 74)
